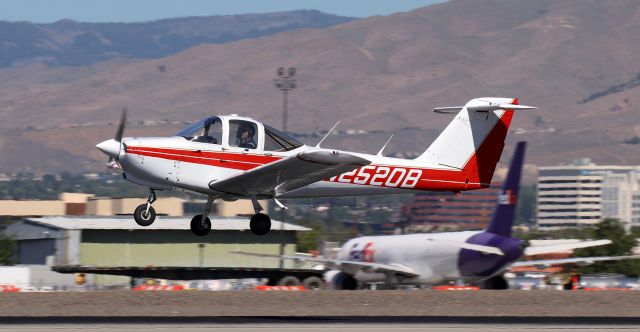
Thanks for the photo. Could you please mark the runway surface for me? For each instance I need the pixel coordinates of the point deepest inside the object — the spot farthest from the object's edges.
(331, 324)
(418, 303)
(321, 327)
(424, 310)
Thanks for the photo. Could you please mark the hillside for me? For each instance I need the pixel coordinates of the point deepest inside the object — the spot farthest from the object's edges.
(70, 43)
(576, 60)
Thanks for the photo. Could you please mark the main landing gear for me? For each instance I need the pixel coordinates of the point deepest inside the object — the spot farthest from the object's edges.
(145, 214)
(260, 223)
(201, 224)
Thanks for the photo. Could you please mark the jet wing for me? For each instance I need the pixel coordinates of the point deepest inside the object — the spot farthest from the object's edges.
(291, 173)
(576, 260)
(342, 264)
(537, 250)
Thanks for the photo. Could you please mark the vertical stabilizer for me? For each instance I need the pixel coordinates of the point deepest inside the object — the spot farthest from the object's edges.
(505, 212)
(474, 139)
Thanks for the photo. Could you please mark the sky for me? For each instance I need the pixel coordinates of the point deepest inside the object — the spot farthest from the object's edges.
(46, 11)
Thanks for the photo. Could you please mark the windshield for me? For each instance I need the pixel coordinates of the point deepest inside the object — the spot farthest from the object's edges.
(207, 130)
(275, 140)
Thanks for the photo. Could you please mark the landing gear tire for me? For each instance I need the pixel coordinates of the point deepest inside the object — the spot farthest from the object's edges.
(142, 217)
(260, 224)
(200, 227)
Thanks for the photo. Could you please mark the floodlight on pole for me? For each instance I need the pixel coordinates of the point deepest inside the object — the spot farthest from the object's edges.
(285, 82)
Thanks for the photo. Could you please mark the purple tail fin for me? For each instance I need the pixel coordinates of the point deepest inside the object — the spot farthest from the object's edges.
(505, 212)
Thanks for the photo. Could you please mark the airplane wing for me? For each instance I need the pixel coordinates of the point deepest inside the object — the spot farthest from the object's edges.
(291, 173)
(537, 250)
(341, 264)
(576, 260)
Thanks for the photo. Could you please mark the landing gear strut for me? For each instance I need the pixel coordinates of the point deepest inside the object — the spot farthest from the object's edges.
(260, 223)
(201, 224)
(145, 214)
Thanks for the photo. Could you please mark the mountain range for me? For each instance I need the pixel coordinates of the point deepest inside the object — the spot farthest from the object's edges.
(575, 59)
(71, 43)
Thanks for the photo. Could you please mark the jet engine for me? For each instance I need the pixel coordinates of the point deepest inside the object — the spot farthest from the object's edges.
(341, 281)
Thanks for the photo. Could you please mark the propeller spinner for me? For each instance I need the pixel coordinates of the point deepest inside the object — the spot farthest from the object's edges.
(112, 147)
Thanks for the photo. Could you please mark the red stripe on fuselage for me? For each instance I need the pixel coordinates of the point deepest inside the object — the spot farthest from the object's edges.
(239, 161)
(476, 174)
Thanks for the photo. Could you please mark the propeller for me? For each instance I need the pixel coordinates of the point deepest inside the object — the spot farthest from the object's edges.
(123, 120)
(113, 147)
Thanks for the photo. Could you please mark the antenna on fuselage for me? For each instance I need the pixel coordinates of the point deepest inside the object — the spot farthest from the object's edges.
(327, 135)
(379, 154)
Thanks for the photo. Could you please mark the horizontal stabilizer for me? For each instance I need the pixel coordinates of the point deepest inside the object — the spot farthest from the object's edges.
(564, 247)
(503, 106)
(448, 110)
(483, 107)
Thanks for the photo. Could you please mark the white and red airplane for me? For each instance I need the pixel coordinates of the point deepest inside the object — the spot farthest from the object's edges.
(232, 157)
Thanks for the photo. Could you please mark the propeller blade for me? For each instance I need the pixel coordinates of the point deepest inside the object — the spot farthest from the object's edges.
(123, 119)
(113, 147)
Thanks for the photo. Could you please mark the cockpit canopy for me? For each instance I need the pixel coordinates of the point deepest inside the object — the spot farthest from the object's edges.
(239, 132)
(207, 130)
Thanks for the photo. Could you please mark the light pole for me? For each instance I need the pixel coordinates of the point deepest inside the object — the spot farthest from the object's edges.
(285, 82)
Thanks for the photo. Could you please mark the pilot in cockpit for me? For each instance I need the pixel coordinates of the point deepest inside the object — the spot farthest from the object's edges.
(244, 137)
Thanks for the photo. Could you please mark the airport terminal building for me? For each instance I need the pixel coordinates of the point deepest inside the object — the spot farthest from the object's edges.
(582, 194)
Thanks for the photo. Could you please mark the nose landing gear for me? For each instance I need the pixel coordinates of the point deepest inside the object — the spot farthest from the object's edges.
(145, 214)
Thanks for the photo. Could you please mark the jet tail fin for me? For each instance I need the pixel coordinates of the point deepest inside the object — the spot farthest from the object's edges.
(505, 212)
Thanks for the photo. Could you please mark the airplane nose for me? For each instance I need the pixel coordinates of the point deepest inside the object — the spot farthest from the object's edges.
(109, 147)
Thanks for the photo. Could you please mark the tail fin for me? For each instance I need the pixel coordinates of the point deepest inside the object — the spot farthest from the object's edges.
(474, 140)
(505, 212)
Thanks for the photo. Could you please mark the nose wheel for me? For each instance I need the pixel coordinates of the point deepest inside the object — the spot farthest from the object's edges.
(145, 214)
(260, 224)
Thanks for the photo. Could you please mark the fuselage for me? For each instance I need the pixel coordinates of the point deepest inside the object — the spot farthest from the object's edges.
(180, 164)
(431, 255)
(217, 148)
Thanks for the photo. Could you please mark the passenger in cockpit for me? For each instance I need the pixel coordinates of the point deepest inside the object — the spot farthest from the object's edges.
(246, 137)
